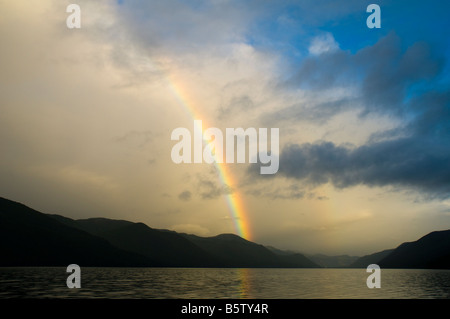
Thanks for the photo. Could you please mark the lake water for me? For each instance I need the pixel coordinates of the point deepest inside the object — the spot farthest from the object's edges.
(205, 283)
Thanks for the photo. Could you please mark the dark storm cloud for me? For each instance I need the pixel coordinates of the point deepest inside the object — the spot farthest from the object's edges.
(408, 162)
(420, 160)
(405, 84)
(391, 73)
(312, 112)
(382, 75)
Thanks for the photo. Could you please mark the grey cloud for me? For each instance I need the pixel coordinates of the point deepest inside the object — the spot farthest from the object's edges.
(406, 162)
(412, 156)
(235, 105)
(292, 192)
(136, 138)
(289, 192)
(210, 189)
(433, 116)
(193, 25)
(185, 196)
(318, 113)
(419, 160)
(416, 157)
(389, 78)
(382, 75)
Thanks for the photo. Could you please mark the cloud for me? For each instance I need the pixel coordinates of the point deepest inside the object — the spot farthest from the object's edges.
(418, 162)
(313, 110)
(388, 80)
(185, 196)
(227, 217)
(210, 190)
(136, 138)
(293, 191)
(323, 44)
(376, 79)
(193, 25)
(235, 105)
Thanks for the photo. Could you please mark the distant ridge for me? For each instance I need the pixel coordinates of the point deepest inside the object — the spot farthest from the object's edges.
(375, 258)
(31, 238)
(339, 261)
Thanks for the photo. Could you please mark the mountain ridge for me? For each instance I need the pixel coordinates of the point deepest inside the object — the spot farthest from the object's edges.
(431, 251)
(29, 237)
(32, 238)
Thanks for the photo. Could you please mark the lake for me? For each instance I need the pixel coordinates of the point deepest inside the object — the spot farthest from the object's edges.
(216, 283)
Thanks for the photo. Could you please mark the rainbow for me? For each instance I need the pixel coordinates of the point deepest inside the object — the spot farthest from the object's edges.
(233, 199)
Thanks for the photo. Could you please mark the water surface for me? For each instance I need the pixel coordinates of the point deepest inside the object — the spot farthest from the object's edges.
(215, 283)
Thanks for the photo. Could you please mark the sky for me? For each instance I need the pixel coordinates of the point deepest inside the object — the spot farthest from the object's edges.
(86, 116)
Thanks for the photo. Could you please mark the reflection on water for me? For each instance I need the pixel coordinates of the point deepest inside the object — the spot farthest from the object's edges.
(195, 283)
(244, 287)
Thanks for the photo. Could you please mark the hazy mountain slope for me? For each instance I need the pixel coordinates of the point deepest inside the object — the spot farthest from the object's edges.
(338, 261)
(375, 258)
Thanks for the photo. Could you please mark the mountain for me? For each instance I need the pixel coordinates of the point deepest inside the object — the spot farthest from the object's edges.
(281, 252)
(31, 238)
(367, 260)
(340, 261)
(430, 251)
(235, 251)
(169, 248)
(94, 226)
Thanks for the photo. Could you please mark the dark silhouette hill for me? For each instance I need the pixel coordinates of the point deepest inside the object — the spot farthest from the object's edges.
(235, 251)
(340, 261)
(175, 250)
(31, 238)
(430, 251)
(367, 260)
(297, 260)
(281, 252)
(169, 248)
(319, 260)
(94, 226)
